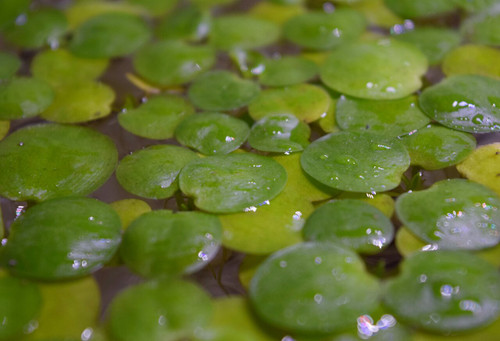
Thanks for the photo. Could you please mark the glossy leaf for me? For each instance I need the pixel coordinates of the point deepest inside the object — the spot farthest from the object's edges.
(423, 8)
(74, 237)
(232, 183)
(318, 305)
(212, 133)
(160, 243)
(472, 59)
(173, 62)
(24, 97)
(483, 28)
(10, 10)
(363, 69)
(9, 65)
(454, 214)
(356, 162)
(156, 118)
(457, 291)
(222, 90)
(387, 117)
(305, 101)
(287, 71)
(352, 223)
(483, 166)
(189, 23)
(49, 160)
(436, 147)
(469, 103)
(152, 172)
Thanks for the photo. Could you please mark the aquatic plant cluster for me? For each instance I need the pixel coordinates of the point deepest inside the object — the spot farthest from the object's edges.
(334, 163)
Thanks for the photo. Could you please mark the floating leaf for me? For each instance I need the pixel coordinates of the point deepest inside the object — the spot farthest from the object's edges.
(322, 288)
(287, 71)
(377, 13)
(382, 201)
(268, 227)
(109, 35)
(80, 102)
(129, 210)
(74, 237)
(456, 291)
(68, 309)
(212, 133)
(454, 214)
(483, 28)
(160, 243)
(279, 133)
(324, 31)
(10, 10)
(434, 42)
(152, 172)
(436, 147)
(356, 162)
(49, 160)
(24, 97)
(483, 166)
(173, 62)
(4, 128)
(20, 303)
(232, 183)
(36, 29)
(384, 69)
(222, 90)
(276, 12)
(352, 223)
(469, 103)
(157, 118)
(305, 101)
(155, 7)
(387, 117)
(155, 311)
(237, 31)
(9, 65)
(472, 59)
(60, 68)
(422, 8)
(189, 23)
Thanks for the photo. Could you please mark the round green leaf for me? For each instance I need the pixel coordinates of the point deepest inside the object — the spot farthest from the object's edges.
(287, 71)
(129, 210)
(36, 29)
(352, 223)
(20, 303)
(454, 291)
(62, 238)
(152, 172)
(222, 90)
(109, 35)
(387, 117)
(278, 13)
(436, 147)
(384, 69)
(24, 97)
(80, 102)
(482, 166)
(161, 243)
(422, 8)
(211, 3)
(60, 68)
(279, 133)
(324, 31)
(237, 31)
(232, 183)
(49, 160)
(472, 59)
(313, 288)
(69, 307)
(155, 7)
(212, 133)
(469, 103)
(9, 65)
(157, 118)
(305, 101)
(173, 62)
(484, 28)
(356, 162)
(10, 10)
(267, 228)
(4, 128)
(453, 214)
(157, 311)
(189, 23)
(434, 42)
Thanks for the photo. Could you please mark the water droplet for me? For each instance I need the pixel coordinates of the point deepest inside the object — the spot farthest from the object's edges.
(478, 119)
(318, 260)
(20, 144)
(318, 298)
(346, 160)
(283, 264)
(323, 157)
